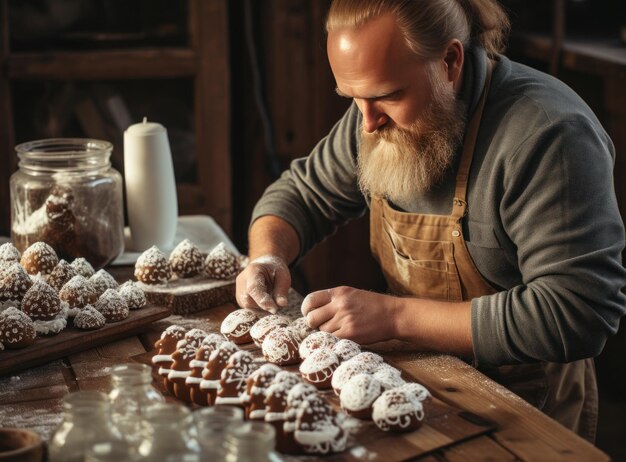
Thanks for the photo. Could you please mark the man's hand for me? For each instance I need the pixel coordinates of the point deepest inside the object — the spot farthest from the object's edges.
(264, 283)
(359, 315)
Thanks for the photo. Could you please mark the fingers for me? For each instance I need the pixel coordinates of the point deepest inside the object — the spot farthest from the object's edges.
(320, 316)
(257, 289)
(315, 300)
(282, 283)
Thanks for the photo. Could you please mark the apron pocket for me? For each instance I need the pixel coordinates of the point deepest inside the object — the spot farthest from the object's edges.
(410, 269)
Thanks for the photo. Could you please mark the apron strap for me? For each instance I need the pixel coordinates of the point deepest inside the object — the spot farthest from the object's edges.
(459, 205)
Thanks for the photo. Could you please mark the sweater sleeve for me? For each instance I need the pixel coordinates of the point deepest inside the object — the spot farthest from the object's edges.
(318, 193)
(560, 211)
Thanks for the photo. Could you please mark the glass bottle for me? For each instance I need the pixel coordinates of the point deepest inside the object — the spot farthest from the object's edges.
(131, 395)
(66, 194)
(251, 442)
(86, 422)
(170, 436)
(213, 424)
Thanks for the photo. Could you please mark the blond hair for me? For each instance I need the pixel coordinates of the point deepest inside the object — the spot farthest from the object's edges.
(429, 25)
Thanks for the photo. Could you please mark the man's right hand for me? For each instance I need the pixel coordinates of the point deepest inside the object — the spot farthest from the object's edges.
(264, 283)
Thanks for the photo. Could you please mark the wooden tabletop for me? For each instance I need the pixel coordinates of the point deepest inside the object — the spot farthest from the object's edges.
(33, 398)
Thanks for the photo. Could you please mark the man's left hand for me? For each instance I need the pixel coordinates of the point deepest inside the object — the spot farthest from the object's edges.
(362, 316)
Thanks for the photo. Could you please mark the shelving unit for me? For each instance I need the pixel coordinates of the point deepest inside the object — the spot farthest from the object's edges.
(205, 61)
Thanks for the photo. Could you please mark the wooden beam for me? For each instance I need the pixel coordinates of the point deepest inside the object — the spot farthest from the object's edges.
(118, 64)
(212, 109)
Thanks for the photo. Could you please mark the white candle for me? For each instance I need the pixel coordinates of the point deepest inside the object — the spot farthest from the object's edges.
(150, 186)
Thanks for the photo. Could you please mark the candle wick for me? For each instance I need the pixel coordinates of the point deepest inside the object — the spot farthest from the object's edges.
(145, 119)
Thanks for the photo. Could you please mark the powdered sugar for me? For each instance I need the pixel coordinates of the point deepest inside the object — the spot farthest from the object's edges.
(360, 392)
(8, 252)
(318, 361)
(186, 260)
(346, 349)
(83, 267)
(317, 340)
(52, 326)
(152, 267)
(89, 318)
(132, 294)
(39, 258)
(101, 281)
(112, 306)
(221, 263)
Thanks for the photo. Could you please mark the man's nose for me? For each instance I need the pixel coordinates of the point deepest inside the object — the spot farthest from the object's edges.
(373, 117)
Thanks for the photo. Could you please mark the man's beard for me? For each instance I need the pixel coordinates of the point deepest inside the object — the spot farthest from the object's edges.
(401, 164)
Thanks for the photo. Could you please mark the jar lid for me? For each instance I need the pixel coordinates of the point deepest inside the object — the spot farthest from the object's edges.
(145, 128)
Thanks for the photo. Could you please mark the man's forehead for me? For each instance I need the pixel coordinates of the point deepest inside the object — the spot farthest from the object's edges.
(371, 61)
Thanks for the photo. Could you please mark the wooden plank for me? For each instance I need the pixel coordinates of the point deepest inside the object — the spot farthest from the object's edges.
(93, 367)
(212, 109)
(72, 340)
(523, 429)
(98, 65)
(33, 399)
(480, 449)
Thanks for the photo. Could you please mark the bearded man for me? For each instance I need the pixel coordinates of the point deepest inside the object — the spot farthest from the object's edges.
(492, 208)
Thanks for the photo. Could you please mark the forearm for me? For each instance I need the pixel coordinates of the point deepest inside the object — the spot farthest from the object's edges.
(434, 325)
(271, 235)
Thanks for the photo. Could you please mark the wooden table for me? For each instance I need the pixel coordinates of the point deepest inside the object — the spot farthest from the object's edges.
(33, 398)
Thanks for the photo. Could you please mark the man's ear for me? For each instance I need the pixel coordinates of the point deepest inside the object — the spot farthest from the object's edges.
(453, 59)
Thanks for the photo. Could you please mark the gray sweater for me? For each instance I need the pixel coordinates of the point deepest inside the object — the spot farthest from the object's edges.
(542, 225)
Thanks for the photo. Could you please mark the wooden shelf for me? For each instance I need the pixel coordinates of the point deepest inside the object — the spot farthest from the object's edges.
(205, 62)
(597, 56)
(96, 65)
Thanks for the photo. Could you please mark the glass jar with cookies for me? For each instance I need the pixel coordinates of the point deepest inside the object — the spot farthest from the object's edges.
(66, 194)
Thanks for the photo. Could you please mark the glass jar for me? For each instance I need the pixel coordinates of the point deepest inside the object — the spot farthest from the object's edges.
(131, 394)
(171, 436)
(66, 194)
(213, 424)
(251, 442)
(86, 422)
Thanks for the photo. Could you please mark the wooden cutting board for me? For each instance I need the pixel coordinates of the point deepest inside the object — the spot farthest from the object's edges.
(72, 340)
(443, 426)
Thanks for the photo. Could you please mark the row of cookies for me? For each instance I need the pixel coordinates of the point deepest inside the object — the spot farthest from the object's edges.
(39, 292)
(186, 261)
(328, 361)
(222, 374)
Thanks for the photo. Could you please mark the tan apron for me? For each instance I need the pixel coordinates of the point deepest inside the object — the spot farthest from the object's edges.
(425, 256)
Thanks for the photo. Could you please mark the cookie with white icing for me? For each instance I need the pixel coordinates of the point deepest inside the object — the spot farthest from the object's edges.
(212, 372)
(209, 344)
(236, 326)
(280, 347)
(315, 341)
(181, 363)
(265, 325)
(17, 329)
(318, 368)
(398, 410)
(358, 395)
